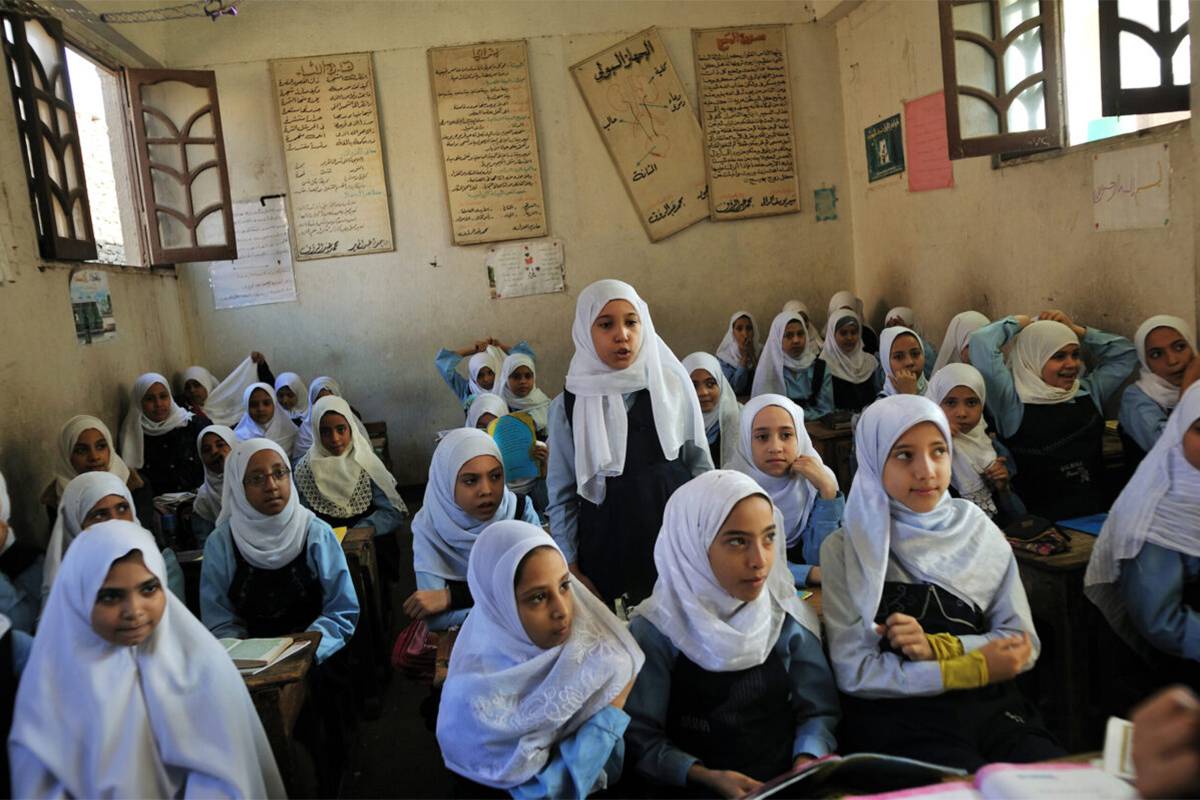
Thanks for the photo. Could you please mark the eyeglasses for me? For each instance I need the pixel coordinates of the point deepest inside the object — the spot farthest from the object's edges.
(259, 478)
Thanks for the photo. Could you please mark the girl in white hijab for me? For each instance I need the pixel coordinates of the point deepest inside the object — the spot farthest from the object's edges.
(957, 342)
(774, 449)
(319, 388)
(271, 568)
(1047, 412)
(980, 473)
(848, 300)
(904, 316)
(718, 404)
(902, 354)
(264, 418)
(856, 376)
(21, 567)
(111, 710)
(158, 438)
(924, 607)
(292, 395)
(484, 409)
(739, 351)
(625, 434)
(1144, 568)
(814, 336)
(485, 359)
(735, 689)
(538, 677)
(214, 445)
(1165, 346)
(85, 444)
(517, 385)
(221, 401)
(465, 494)
(790, 366)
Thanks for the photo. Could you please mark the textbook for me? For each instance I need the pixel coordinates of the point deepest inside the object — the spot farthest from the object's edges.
(254, 653)
(859, 772)
(1020, 781)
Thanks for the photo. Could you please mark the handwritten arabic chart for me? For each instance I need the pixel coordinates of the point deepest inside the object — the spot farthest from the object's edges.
(331, 145)
(746, 111)
(262, 273)
(489, 144)
(525, 268)
(1132, 188)
(643, 115)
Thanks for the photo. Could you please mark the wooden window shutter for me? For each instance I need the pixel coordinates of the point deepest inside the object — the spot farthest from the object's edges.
(181, 164)
(36, 55)
(1161, 26)
(1000, 64)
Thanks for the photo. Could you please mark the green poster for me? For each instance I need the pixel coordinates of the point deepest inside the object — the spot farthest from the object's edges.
(885, 149)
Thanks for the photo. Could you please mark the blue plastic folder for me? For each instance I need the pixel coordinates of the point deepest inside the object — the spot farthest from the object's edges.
(514, 436)
(1090, 524)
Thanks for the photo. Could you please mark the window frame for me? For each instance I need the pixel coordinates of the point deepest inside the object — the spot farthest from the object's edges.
(1166, 97)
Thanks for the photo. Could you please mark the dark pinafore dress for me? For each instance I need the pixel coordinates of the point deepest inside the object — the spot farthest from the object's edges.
(963, 728)
(1060, 450)
(616, 538)
(849, 396)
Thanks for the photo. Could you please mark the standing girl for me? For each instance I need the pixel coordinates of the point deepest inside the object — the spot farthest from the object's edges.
(790, 367)
(158, 438)
(718, 405)
(624, 435)
(1165, 347)
(855, 373)
(738, 351)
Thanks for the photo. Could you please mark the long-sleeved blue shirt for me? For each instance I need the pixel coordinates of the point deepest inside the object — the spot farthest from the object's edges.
(339, 612)
(826, 517)
(563, 510)
(1142, 419)
(1152, 584)
(741, 379)
(799, 388)
(813, 698)
(862, 669)
(455, 617)
(587, 761)
(1115, 357)
(447, 362)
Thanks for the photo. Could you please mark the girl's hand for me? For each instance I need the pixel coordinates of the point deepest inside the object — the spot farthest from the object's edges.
(583, 579)
(814, 577)
(747, 350)
(905, 381)
(892, 322)
(1166, 744)
(1059, 316)
(1191, 374)
(1023, 320)
(813, 471)
(500, 344)
(540, 452)
(619, 700)
(997, 473)
(3, 534)
(426, 603)
(257, 357)
(725, 783)
(1005, 657)
(907, 636)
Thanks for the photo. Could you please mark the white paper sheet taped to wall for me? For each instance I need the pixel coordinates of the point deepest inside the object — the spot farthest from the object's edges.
(1131, 188)
(525, 268)
(262, 273)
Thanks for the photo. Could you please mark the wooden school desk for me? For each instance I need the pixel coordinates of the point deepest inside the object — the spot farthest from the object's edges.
(368, 650)
(835, 449)
(279, 693)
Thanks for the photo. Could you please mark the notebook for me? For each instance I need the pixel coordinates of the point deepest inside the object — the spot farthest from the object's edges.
(254, 653)
(857, 772)
(1020, 781)
(1090, 524)
(514, 435)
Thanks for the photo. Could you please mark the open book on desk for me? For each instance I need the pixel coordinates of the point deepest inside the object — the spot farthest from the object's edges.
(1021, 781)
(858, 772)
(252, 656)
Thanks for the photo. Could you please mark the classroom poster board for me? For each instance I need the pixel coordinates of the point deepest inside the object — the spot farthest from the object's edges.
(1131, 188)
(525, 268)
(885, 149)
(484, 108)
(91, 306)
(337, 188)
(643, 115)
(262, 273)
(929, 165)
(746, 113)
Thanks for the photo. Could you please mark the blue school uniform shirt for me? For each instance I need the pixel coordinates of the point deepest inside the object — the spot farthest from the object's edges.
(1152, 585)
(799, 387)
(563, 509)
(21, 597)
(1141, 418)
(814, 700)
(1115, 358)
(339, 613)
(455, 617)
(824, 519)
(740, 378)
(588, 760)
(447, 362)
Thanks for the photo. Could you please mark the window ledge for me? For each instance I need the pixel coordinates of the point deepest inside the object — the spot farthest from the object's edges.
(1150, 135)
(167, 271)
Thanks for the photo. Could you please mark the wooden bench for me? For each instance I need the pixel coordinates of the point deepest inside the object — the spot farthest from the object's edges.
(279, 693)
(836, 449)
(368, 648)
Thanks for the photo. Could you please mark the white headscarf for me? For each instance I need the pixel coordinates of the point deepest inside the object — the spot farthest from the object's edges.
(279, 429)
(793, 495)
(769, 377)
(136, 424)
(337, 476)
(492, 358)
(954, 546)
(267, 542)
(105, 720)
(304, 438)
(600, 422)
(1032, 348)
(1160, 505)
(485, 404)
(1160, 390)
(973, 451)
(536, 404)
(76, 501)
(443, 534)
(728, 411)
(5, 504)
(814, 336)
(886, 340)
(506, 701)
(728, 350)
(64, 473)
(958, 333)
(224, 402)
(845, 299)
(293, 382)
(855, 367)
(208, 497)
(711, 627)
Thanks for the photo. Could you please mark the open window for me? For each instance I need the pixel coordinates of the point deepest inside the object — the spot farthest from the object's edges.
(1143, 67)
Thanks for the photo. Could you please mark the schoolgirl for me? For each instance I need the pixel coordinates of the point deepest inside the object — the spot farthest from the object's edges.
(21, 566)
(848, 300)
(739, 351)
(485, 409)
(221, 401)
(486, 359)
(718, 405)
(790, 367)
(158, 438)
(214, 445)
(292, 395)
(517, 386)
(86, 445)
(856, 377)
(801, 308)
(902, 357)
(322, 387)
(263, 418)
(956, 344)
(1165, 347)
(903, 316)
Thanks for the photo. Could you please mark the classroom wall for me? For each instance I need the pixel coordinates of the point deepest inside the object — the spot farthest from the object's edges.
(1014, 240)
(375, 322)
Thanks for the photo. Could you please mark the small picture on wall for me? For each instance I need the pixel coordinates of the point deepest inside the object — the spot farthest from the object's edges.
(92, 306)
(885, 149)
(825, 203)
